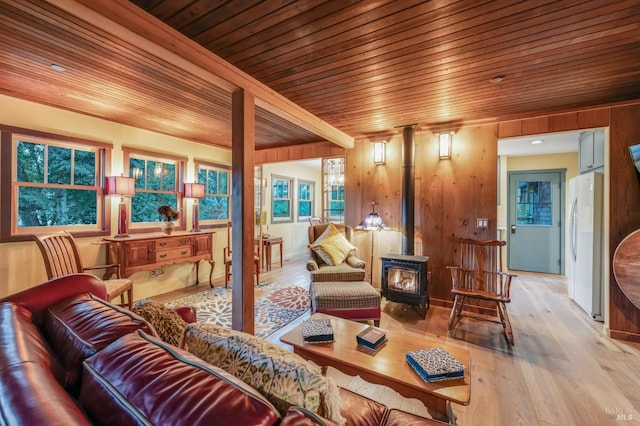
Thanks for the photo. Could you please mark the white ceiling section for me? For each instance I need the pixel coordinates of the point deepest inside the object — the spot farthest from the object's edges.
(553, 143)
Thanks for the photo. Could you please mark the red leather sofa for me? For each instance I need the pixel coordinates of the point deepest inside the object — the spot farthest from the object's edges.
(67, 357)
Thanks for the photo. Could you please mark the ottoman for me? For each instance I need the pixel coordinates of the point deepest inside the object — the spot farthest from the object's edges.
(353, 300)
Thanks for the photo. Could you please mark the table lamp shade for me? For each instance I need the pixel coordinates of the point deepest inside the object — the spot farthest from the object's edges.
(120, 185)
(194, 190)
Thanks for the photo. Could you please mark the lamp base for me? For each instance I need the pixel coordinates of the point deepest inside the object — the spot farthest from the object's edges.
(122, 236)
(195, 230)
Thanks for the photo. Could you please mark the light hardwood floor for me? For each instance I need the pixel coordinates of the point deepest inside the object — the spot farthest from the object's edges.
(561, 371)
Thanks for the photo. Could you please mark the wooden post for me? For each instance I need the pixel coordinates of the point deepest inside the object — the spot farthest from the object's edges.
(242, 155)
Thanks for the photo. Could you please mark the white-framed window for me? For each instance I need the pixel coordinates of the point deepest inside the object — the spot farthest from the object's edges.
(216, 205)
(281, 199)
(56, 184)
(306, 199)
(333, 180)
(158, 179)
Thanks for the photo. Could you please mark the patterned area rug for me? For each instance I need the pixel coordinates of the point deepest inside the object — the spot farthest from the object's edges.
(276, 305)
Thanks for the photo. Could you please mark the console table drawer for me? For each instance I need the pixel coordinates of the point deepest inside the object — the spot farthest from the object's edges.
(168, 243)
(173, 254)
(145, 252)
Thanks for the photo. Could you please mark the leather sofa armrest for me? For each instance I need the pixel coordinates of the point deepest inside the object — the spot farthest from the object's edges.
(187, 313)
(37, 299)
(355, 262)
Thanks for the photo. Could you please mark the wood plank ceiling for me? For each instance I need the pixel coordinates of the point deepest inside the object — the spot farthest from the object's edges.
(365, 67)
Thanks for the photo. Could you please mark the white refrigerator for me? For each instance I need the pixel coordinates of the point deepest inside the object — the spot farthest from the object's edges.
(585, 271)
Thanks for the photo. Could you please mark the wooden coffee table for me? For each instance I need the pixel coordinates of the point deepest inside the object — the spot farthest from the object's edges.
(387, 366)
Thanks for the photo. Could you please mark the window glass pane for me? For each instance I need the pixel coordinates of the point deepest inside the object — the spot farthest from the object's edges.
(333, 179)
(30, 164)
(168, 177)
(214, 208)
(223, 187)
(202, 177)
(56, 207)
(59, 165)
(154, 171)
(136, 170)
(144, 206)
(534, 203)
(304, 191)
(84, 168)
(216, 203)
(281, 209)
(304, 209)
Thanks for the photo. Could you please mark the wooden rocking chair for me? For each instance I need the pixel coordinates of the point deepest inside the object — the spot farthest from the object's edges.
(480, 276)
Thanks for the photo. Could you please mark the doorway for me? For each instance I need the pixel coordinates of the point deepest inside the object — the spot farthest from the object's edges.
(535, 230)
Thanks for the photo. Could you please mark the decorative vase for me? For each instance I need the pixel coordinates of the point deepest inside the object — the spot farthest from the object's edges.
(167, 227)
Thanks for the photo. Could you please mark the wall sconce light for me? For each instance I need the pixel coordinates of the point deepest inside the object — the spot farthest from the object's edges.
(195, 191)
(379, 154)
(122, 186)
(445, 145)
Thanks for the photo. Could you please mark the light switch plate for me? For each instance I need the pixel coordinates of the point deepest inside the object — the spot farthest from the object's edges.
(483, 223)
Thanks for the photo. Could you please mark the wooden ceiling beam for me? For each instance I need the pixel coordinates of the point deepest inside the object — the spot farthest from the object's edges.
(128, 22)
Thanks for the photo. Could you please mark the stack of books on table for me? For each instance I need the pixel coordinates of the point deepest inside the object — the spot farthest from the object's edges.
(317, 331)
(435, 364)
(371, 338)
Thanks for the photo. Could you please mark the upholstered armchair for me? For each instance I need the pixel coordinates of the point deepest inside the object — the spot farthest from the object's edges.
(332, 257)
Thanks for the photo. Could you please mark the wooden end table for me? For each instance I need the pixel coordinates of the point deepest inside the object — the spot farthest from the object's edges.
(267, 244)
(387, 366)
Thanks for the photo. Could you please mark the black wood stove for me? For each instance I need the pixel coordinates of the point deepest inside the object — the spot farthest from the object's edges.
(404, 280)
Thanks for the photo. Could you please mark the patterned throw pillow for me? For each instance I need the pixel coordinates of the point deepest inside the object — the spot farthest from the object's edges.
(332, 246)
(168, 324)
(284, 378)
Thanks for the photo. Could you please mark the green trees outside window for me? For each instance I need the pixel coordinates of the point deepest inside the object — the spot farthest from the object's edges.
(306, 194)
(281, 199)
(156, 185)
(215, 204)
(56, 185)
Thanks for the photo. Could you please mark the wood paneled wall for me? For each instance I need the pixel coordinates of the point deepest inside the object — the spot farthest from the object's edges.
(449, 196)
(298, 152)
(624, 212)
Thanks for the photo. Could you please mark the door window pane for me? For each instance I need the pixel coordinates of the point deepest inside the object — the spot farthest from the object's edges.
(534, 203)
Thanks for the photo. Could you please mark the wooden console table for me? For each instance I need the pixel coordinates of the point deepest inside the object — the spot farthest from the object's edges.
(146, 252)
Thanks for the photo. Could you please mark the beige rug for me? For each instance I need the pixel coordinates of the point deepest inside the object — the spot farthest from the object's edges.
(379, 393)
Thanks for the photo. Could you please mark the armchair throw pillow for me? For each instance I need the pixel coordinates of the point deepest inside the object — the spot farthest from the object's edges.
(332, 246)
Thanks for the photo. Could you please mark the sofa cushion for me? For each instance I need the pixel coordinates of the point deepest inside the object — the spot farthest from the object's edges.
(332, 247)
(283, 377)
(29, 393)
(139, 379)
(82, 325)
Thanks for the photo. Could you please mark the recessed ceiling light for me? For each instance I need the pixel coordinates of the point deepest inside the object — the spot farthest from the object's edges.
(57, 67)
(497, 79)
(536, 142)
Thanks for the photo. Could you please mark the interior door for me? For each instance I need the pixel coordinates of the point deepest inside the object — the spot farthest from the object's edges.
(535, 237)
